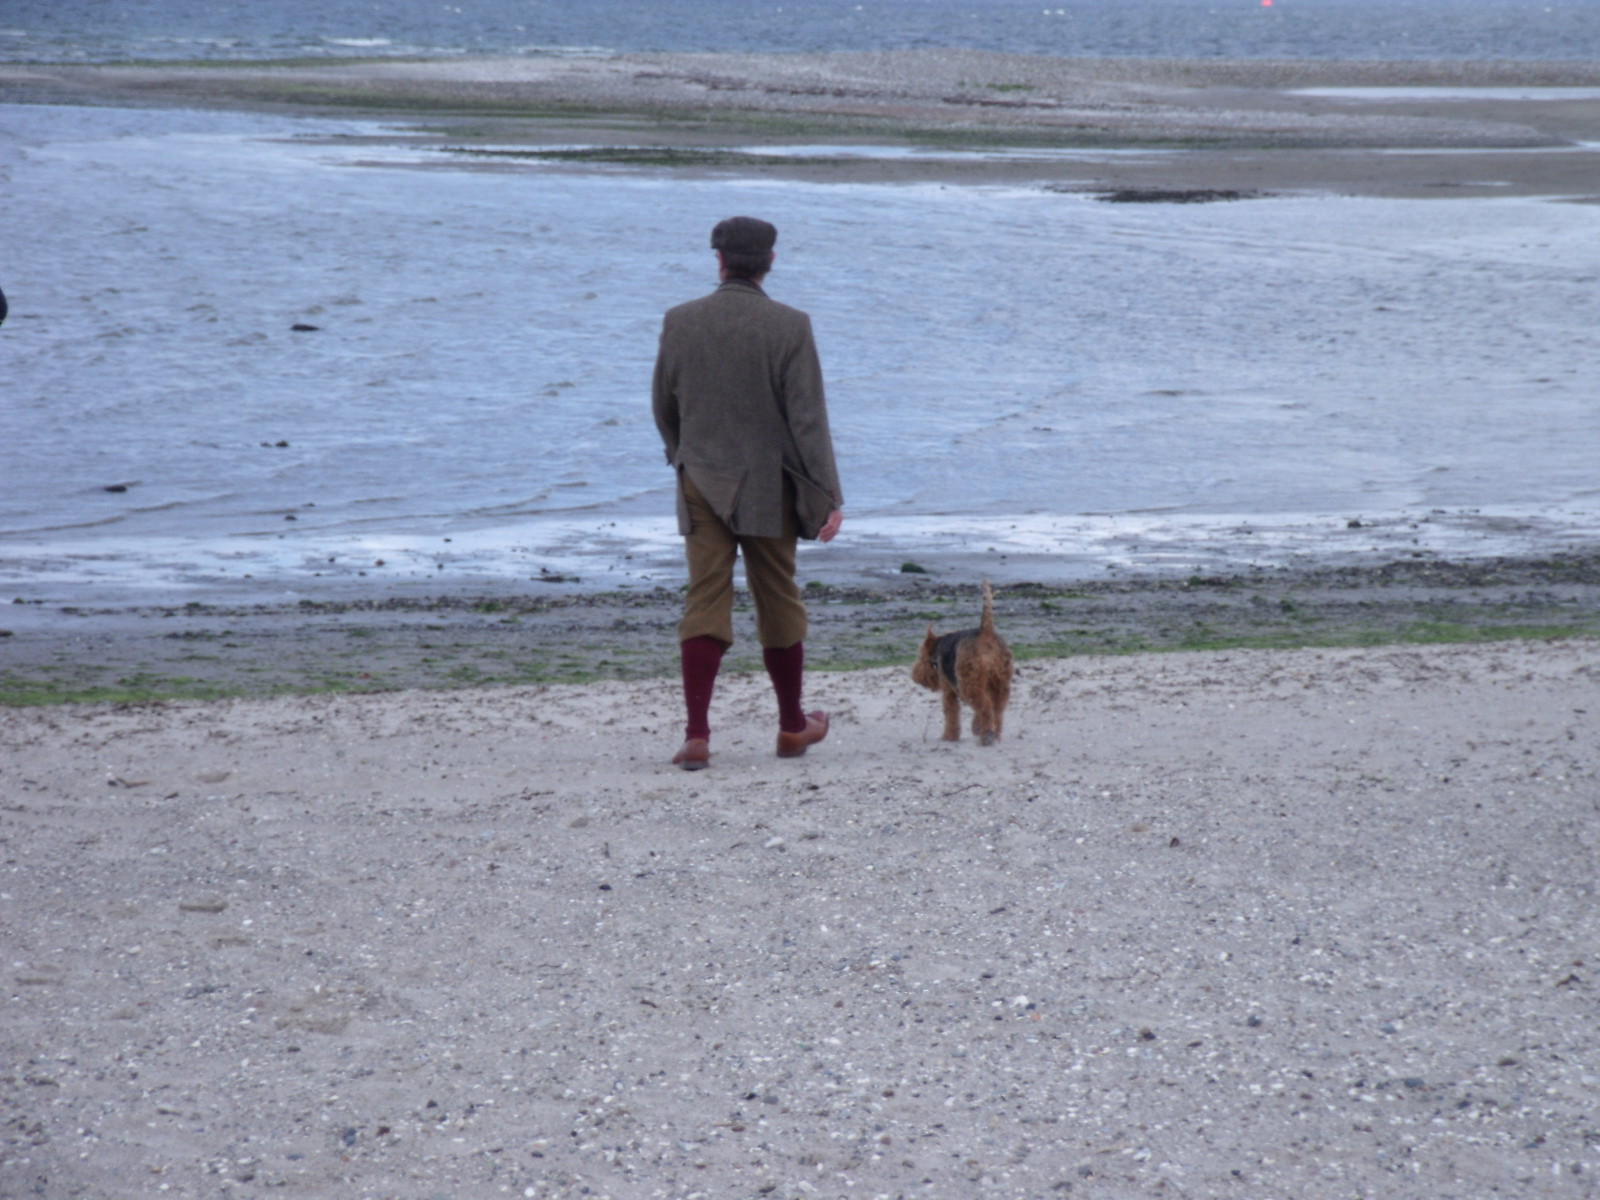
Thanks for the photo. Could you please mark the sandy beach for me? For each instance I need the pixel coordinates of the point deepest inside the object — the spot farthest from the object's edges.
(1294, 923)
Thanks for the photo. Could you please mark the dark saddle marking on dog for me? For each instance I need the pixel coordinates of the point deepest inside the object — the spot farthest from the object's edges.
(945, 651)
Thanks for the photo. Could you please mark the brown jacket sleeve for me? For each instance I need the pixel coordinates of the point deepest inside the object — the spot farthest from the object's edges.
(664, 403)
(807, 413)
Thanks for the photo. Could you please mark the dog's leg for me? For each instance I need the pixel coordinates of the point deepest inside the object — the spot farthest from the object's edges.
(997, 708)
(975, 689)
(983, 720)
(952, 713)
(1002, 694)
(989, 706)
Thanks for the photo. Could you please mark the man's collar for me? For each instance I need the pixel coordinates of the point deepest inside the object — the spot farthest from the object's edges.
(743, 283)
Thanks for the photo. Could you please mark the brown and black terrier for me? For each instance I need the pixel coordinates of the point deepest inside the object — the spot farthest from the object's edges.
(973, 665)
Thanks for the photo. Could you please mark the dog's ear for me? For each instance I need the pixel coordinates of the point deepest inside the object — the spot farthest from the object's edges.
(930, 636)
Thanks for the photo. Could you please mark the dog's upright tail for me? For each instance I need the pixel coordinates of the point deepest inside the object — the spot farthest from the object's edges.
(987, 624)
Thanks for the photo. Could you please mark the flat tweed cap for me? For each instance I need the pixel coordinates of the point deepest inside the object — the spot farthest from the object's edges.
(744, 235)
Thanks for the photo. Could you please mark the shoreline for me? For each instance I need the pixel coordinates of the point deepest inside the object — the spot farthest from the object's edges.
(1223, 125)
(54, 653)
(1241, 120)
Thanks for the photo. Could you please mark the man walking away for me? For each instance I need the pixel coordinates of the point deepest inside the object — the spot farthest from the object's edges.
(738, 400)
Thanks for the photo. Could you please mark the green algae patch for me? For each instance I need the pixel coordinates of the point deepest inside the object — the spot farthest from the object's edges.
(201, 652)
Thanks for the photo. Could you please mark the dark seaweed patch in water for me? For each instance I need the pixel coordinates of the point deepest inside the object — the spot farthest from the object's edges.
(1170, 196)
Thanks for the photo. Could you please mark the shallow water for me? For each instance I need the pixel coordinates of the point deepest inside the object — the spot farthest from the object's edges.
(1073, 382)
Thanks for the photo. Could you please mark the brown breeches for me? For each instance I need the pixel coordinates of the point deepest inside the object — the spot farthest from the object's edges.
(711, 548)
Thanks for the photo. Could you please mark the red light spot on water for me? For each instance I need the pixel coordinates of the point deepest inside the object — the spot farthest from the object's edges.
(1266, 3)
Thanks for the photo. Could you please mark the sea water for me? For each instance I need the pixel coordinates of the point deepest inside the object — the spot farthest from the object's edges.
(102, 30)
(1044, 377)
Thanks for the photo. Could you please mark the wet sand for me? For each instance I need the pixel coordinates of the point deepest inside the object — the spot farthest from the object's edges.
(388, 639)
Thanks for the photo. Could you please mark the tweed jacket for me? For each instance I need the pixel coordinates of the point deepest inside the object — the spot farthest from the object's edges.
(738, 399)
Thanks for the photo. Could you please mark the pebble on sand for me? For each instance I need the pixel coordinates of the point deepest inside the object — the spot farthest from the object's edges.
(203, 904)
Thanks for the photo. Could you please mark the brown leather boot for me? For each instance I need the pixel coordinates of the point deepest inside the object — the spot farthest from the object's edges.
(693, 755)
(793, 745)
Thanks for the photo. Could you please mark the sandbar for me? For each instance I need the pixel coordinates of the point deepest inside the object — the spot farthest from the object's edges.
(1362, 128)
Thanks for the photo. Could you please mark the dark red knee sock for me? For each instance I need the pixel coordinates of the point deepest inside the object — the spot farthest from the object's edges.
(700, 657)
(786, 668)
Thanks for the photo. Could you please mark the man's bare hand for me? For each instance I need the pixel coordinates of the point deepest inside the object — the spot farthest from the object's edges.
(830, 527)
